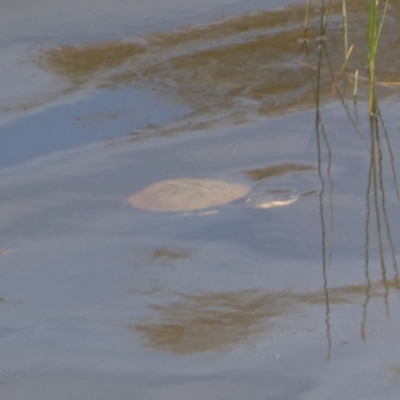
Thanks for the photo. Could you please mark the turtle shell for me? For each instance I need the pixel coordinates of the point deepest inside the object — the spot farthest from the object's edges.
(176, 195)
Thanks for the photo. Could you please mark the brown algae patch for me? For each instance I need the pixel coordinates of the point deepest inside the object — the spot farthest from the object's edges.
(270, 171)
(79, 63)
(235, 68)
(218, 321)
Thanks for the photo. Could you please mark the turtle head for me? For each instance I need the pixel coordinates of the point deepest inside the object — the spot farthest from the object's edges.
(272, 198)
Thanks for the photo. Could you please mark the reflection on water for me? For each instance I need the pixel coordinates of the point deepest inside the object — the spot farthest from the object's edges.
(378, 237)
(376, 209)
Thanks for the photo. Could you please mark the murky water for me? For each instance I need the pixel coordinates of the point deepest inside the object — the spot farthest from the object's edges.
(102, 300)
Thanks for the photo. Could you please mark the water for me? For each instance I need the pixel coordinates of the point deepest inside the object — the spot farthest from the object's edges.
(101, 300)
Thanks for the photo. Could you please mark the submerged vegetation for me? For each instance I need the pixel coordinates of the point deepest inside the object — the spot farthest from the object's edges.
(241, 67)
(376, 14)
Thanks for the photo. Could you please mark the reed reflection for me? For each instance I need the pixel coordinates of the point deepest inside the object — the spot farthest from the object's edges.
(378, 231)
(377, 213)
(323, 147)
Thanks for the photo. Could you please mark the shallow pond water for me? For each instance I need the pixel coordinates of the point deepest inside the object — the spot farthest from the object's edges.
(101, 300)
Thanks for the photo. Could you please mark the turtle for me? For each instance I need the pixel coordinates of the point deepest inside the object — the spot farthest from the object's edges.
(196, 194)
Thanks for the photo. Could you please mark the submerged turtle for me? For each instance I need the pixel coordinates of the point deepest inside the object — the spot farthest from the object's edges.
(177, 195)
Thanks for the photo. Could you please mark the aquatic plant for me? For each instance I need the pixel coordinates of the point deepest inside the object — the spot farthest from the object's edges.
(376, 14)
(374, 33)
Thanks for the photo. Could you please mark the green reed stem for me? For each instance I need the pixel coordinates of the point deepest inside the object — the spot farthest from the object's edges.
(306, 19)
(374, 33)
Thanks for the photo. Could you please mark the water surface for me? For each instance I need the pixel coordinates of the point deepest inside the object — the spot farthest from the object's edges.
(101, 300)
